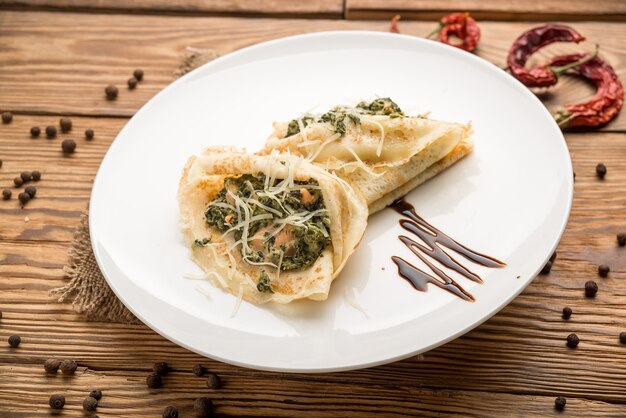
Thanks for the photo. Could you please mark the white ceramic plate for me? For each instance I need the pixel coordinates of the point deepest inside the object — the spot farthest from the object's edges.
(509, 199)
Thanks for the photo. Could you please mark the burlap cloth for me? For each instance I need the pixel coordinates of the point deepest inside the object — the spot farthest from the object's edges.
(87, 289)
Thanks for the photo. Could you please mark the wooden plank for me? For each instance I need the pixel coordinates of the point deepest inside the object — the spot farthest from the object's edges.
(489, 9)
(125, 395)
(316, 8)
(60, 63)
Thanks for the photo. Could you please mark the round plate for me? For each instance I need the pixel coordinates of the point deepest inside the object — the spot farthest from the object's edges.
(510, 199)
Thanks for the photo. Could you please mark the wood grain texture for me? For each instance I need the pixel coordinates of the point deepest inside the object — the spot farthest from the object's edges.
(60, 63)
(326, 8)
(489, 9)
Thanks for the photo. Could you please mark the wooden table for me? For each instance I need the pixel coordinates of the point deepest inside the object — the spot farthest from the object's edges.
(56, 56)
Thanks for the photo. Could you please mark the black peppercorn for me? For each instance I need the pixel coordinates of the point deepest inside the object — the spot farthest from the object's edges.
(6, 194)
(170, 412)
(90, 404)
(621, 239)
(213, 381)
(24, 198)
(111, 92)
(203, 407)
(0, 163)
(553, 257)
(68, 366)
(567, 312)
(573, 340)
(15, 340)
(601, 171)
(559, 403)
(17, 181)
(57, 401)
(138, 74)
(66, 124)
(35, 131)
(591, 288)
(51, 131)
(160, 368)
(603, 270)
(153, 381)
(622, 337)
(546, 269)
(36, 175)
(52, 365)
(68, 146)
(96, 393)
(132, 83)
(7, 117)
(198, 370)
(89, 134)
(26, 176)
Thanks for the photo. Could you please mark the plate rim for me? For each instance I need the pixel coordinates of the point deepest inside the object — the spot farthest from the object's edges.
(359, 365)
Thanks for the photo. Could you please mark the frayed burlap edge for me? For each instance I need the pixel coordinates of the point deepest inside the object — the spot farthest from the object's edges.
(87, 289)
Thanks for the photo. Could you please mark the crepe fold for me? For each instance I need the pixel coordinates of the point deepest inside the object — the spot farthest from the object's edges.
(383, 157)
(203, 179)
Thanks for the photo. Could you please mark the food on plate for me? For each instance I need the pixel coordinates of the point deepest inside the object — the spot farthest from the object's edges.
(374, 146)
(268, 228)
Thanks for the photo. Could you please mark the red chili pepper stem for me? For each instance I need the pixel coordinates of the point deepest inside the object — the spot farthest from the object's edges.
(562, 117)
(558, 71)
(436, 31)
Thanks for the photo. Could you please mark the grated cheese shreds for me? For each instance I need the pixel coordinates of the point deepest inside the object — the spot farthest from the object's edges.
(379, 148)
(326, 142)
(238, 303)
(203, 291)
(192, 276)
(262, 206)
(246, 223)
(362, 165)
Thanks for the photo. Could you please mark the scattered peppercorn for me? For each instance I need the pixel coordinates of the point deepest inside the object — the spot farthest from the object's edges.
(170, 412)
(559, 403)
(68, 366)
(138, 74)
(17, 181)
(160, 368)
(203, 407)
(96, 393)
(213, 381)
(66, 124)
(57, 401)
(89, 134)
(622, 337)
(51, 131)
(573, 341)
(7, 117)
(198, 370)
(591, 288)
(111, 92)
(603, 270)
(601, 171)
(621, 239)
(36, 175)
(6, 194)
(26, 175)
(35, 131)
(567, 312)
(68, 146)
(546, 269)
(153, 381)
(15, 340)
(132, 83)
(90, 404)
(24, 198)
(52, 365)
(0, 163)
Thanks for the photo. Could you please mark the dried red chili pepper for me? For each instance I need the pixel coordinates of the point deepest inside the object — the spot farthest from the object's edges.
(459, 25)
(530, 42)
(606, 103)
(393, 27)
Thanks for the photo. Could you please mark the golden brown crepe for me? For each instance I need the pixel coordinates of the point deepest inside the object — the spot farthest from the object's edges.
(228, 261)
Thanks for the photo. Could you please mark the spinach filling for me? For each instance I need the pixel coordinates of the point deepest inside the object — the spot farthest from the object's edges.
(338, 115)
(286, 227)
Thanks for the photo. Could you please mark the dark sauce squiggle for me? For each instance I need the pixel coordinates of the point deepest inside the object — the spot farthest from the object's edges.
(434, 240)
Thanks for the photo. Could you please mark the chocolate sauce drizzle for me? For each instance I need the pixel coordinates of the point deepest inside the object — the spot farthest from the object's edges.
(435, 240)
